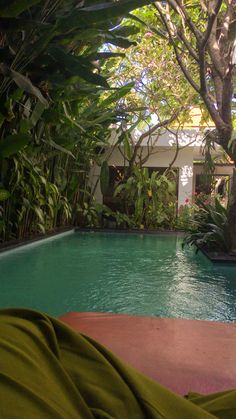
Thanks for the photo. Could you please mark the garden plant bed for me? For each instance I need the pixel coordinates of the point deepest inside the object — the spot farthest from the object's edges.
(219, 257)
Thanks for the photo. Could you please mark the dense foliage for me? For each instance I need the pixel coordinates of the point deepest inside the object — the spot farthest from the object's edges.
(202, 36)
(149, 199)
(193, 44)
(54, 122)
(209, 227)
(69, 69)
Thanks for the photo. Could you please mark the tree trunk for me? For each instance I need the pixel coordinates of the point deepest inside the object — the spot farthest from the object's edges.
(232, 213)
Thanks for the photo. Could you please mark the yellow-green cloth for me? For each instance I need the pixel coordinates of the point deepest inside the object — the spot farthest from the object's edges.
(49, 371)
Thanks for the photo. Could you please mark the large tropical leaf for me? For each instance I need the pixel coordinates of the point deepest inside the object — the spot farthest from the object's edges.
(25, 84)
(60, 148)
(2, 119)
(158, 32)
(4, 194)
(127, 147)
(76, 66)
(120, 188)
(125, 30)
(117, 8)
(16, 7)
(98, 13)
(119, 41)
(13, 143)
(105, 116)
(118, 94)
(104, 177)
(37, 113)
(105, 55)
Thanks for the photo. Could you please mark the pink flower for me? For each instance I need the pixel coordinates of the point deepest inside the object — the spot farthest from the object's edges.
(186, 201)
(148, 34)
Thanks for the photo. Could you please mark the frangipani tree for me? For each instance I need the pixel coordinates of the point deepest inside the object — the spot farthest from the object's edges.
(199, 38)
(203, 39)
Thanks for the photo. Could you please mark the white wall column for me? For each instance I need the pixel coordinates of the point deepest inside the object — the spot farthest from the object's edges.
(94, 179)
(185, 189)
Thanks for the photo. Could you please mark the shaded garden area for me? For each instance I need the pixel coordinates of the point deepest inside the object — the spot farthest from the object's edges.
(73, 74)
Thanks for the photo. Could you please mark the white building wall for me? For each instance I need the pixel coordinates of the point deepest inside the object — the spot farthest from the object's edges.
(219, 170)
(94, 179)
(162, 155)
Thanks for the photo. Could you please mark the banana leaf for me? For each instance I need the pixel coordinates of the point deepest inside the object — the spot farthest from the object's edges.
(106, 55)
(25, 84)
(104, 177)
(76, 66)
(13, 143)
(119, 41)
(125, 30)
(127, 148)
(98, 13)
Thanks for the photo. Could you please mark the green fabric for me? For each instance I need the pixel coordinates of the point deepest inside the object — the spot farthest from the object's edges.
(49, 371)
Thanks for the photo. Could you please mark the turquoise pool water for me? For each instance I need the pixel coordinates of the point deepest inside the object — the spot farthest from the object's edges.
(120, 273)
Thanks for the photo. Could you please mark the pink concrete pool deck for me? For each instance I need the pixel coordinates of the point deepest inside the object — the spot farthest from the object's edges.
(183, 355)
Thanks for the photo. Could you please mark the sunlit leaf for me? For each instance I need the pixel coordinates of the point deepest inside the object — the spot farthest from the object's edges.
(25, 84)
(4, 194)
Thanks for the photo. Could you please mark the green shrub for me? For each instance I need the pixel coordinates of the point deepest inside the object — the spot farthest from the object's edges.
(185, 216)
(209, 228)
(149, 199)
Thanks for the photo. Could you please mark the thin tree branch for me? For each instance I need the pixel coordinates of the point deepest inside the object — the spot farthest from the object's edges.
(202, 70)
(176, 134)
(178, 7)
(203, 5)
(189, 47)
(149, 133)
(157, 126)
(211, 21)
(202, 46)
(178, 57)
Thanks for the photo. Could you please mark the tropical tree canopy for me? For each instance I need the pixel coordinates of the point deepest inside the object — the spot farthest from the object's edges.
(70, 68)
(53, 124)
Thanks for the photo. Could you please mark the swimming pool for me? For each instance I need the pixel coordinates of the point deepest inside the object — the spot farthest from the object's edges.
(121, 273)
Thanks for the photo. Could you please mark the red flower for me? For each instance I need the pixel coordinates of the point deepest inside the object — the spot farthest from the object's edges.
(186, 201)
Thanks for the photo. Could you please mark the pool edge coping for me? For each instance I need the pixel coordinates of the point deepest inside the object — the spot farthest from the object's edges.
(7, 247)
(129, 231)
